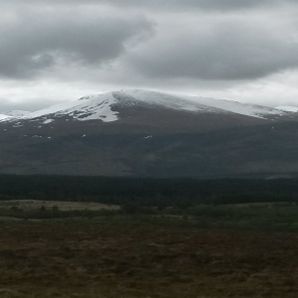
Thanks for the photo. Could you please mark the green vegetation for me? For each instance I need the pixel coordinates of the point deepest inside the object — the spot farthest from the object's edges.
(146, 191)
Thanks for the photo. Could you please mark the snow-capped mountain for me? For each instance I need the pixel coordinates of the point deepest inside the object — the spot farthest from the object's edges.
(17, 113)
(105, 106)
(145, 133)
(13, 115)
(241, 108)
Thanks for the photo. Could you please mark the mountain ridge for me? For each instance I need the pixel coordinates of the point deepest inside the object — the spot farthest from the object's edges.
(100, 107)
(151, 134)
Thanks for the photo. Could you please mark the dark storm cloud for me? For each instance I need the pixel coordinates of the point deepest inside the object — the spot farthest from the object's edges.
(38, 37)
(36, 40)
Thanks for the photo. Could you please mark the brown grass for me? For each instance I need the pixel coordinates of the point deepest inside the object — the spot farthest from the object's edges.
(61, 205)
(103, 258)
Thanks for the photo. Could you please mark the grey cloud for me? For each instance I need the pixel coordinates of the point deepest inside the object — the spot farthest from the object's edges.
(166, 4)
(231, 50)
(199, 4)
(6, 106)
(38, 40)
(48, 48)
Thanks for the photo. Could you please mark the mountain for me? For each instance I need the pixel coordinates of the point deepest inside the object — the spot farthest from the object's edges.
(145, 133)
(12, 115)
(4, 117)
(106, 106)
(17, 113)
(288, 108)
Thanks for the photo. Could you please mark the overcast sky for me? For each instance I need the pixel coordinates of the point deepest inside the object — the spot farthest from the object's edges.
(58, 50)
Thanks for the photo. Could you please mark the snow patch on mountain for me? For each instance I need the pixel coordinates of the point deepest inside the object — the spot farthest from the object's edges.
(96, 107)
(4, 117)
(257, 111)
(18, 113)
(293, 109)
(13, 115)
(162, 99)
(48, 121)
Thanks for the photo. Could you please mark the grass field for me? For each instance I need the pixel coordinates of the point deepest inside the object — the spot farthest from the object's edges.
(61, 205)
(209, 253)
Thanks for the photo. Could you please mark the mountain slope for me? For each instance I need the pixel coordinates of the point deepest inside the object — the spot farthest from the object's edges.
(142, 133)
(105, 106)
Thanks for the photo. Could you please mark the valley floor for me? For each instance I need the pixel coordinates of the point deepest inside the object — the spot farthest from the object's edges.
(133, 257)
